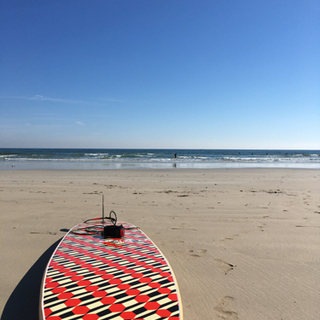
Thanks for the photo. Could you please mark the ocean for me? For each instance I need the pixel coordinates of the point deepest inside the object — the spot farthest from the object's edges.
(85, 159)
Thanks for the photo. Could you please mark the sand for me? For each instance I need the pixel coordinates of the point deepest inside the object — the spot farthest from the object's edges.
(243, 243)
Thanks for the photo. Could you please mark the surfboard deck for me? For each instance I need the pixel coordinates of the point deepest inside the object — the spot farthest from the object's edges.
(89, 277)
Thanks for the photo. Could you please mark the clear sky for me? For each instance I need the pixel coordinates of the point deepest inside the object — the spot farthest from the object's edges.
(160, 74)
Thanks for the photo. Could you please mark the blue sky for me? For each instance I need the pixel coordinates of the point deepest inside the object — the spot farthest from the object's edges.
(160, 74)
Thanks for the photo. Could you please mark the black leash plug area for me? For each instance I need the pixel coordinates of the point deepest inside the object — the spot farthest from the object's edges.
(113, 231)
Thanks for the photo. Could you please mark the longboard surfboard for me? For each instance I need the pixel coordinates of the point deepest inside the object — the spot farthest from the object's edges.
(91, 277)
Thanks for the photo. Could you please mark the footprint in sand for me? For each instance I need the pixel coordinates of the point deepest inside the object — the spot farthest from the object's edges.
(230, 238)
(183, 227)
(47, 232)
(197, 253)
(225, 266)
(222, 309)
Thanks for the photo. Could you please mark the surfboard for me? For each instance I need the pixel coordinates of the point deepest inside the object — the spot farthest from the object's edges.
(94, 276)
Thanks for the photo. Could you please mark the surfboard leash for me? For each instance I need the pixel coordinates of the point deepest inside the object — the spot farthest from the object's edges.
(105, 230)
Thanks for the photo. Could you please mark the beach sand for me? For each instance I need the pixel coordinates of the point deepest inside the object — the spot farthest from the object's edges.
(243, 243)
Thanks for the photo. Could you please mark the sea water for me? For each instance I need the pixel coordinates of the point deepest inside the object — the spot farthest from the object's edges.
(68, 159)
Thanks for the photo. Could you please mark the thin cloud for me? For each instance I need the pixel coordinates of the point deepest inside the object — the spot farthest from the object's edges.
(98, 101)
(42, 98)
(39, 97)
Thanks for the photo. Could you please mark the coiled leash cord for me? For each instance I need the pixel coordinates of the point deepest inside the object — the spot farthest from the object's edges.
(105, 230)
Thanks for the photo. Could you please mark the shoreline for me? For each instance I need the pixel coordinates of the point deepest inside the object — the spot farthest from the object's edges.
(109, 159)
(96, 165)
(243, 243)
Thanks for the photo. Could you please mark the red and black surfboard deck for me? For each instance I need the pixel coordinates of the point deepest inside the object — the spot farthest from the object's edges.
(89, 277)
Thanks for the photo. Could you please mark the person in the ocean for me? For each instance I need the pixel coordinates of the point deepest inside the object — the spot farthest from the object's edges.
(175, 155)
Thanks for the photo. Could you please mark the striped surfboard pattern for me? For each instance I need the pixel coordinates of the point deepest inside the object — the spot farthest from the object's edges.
(92, 278)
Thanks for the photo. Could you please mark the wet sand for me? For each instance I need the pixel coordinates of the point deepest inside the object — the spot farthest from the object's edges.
(243, 243)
